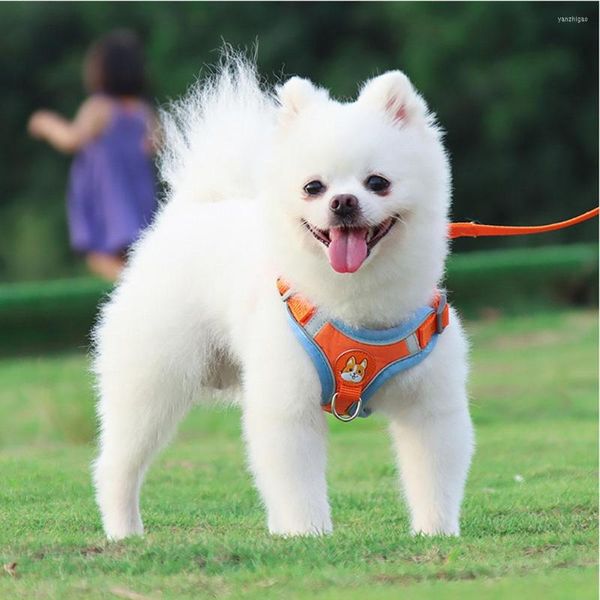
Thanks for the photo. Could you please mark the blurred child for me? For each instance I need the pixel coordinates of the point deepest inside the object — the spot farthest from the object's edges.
(111, 192)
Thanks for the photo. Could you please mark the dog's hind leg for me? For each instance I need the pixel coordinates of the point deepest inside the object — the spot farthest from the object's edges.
(145, 370)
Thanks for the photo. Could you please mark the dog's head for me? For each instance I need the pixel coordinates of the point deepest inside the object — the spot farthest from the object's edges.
(358, 184)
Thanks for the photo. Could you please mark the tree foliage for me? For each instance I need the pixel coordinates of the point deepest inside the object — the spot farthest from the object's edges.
(515, 89)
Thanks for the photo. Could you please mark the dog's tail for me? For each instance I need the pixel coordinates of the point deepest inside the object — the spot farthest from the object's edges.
(215, 137)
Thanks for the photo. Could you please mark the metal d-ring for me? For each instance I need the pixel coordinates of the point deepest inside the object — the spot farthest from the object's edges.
(345, 418)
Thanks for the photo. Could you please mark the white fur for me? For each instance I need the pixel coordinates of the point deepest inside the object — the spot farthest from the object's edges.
(197, 307)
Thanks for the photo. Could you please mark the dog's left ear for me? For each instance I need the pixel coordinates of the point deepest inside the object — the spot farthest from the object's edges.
(393, 93)
(297, 94)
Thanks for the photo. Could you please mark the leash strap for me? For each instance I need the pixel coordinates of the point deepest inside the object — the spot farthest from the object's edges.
(352, 364)
(458, 230)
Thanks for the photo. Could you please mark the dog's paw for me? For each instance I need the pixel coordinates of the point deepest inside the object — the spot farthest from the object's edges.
(116, 536)
(302, 530)
(436, 529)
(119, 531)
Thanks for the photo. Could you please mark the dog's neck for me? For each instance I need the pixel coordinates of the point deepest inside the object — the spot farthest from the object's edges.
(381, 294)
(370, 301)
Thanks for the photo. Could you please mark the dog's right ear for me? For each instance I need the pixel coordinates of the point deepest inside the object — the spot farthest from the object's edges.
(295, 95)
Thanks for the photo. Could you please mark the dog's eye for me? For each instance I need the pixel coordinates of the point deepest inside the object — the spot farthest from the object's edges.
(376, 183)
(314, 188)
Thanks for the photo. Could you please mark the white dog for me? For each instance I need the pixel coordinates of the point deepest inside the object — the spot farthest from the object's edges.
(348, 202)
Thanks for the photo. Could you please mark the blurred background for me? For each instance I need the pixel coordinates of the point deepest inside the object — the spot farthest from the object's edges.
(515, 89)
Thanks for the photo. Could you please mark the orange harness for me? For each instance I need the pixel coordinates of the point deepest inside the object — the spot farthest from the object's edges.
(352, 364)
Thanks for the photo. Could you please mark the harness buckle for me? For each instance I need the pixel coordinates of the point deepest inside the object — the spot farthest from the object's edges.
(345, 418)
(287, 295)
(439, 313)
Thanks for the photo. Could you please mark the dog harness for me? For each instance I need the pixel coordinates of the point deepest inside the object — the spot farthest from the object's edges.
(352, 364)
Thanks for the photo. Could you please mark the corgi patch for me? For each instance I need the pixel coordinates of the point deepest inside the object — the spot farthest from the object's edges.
(353, 368)
(353, 371)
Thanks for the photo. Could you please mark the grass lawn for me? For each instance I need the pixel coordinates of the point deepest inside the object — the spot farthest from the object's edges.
(529, 520)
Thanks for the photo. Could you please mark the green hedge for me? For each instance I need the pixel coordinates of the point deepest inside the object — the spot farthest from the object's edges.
(57, 315)
(521, 280)
(48, 315)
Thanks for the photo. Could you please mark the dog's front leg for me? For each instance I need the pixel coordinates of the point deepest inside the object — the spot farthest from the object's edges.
(285, 432)
(287, 456)
(434, 452)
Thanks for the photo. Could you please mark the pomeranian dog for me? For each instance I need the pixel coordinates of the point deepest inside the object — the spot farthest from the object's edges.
(348, 202)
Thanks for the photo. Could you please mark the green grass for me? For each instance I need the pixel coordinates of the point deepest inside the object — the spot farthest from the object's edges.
(534, 402)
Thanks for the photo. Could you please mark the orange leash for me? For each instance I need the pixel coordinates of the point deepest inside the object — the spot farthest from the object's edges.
(458, 230)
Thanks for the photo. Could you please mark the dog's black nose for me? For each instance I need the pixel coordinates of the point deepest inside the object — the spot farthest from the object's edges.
(344, 205)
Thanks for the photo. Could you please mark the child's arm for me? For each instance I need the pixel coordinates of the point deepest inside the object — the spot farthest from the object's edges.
(154, 138)
(69, 136)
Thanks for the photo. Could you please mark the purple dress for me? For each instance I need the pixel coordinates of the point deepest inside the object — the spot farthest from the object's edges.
(111, 194)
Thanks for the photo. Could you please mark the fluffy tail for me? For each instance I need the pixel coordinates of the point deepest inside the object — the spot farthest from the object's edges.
(215, 137)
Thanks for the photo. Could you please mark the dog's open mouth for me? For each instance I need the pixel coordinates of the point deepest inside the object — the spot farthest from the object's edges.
(349, 247)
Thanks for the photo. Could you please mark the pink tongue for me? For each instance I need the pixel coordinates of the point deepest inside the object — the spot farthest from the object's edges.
(348, 249)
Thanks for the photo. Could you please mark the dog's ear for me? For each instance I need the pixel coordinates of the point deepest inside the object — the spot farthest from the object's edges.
(296, 94)
(363, 364)
(351, 362)
(393, 93)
